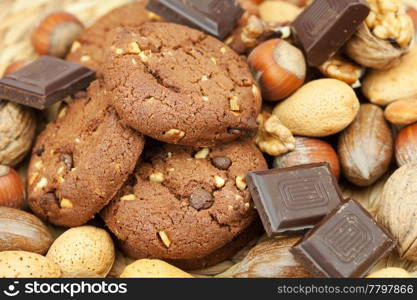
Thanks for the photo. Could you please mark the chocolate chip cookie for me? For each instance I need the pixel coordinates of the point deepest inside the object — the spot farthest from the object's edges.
(184, 203)
(88, 50)
(81, 160)
(181, 86)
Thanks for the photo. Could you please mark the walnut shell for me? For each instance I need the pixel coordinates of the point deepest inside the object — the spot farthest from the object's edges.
(398, 209)
(271, 258)
(17, 130)
(366, 147)
(370, 51)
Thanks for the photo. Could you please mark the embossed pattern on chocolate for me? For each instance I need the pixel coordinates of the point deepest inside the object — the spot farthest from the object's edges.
(326, 25)
(294, 198)
(347, 243)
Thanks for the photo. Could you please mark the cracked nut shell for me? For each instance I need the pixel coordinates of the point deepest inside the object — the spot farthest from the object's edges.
(17, 128)
(398, 209)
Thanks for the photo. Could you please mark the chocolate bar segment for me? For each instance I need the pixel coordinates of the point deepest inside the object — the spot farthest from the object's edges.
(294, 198)
(44, 82)
(347, 243)
(215, 17)
(326, 25)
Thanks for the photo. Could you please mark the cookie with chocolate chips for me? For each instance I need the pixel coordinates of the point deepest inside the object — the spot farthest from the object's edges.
(81, 160)
(181, 86)
(182, 204)
(88, 49)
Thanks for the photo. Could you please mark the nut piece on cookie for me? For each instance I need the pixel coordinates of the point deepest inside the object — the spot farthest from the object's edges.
(181, 86)
(187, 217)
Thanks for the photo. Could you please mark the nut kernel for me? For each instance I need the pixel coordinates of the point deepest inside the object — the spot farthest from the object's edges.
(241, 183)
(129, 197)
(156, 177)
(202, 154)
(66, 203)
(164, 238)
(38, 165)
(175, 134)
(219, 182)
(234, 103)
(85, 58)
(43, 182)
(133, 48)
(75, 46)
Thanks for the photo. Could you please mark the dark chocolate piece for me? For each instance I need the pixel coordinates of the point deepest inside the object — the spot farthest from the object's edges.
(346, 243)
(294, 198)
(44, 82)
(326, 25)
(215, 17)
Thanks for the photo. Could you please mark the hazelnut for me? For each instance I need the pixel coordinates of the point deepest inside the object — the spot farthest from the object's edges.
(12, 191)
(56, 33)
(406, 145)
(18, 64)
(279, 67)
(307, 151)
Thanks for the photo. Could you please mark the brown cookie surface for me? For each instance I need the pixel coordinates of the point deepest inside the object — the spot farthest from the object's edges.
(80, 161)
(242, 240)
(180, 205)
(181, 86)
(88, 50)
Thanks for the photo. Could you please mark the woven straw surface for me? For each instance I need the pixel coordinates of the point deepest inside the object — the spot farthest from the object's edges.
(20, 16)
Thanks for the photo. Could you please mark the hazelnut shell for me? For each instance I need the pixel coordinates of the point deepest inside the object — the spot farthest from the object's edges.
(279, 67)
(406, 145)
(307, 151)
(12, 190)
(55, 34)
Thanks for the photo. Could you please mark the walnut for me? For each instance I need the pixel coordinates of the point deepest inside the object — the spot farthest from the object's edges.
(384, 37)
(340, 68)
(253, 31)
(273, 137)
(17, 130)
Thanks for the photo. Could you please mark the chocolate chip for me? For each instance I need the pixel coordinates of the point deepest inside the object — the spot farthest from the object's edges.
(79, 94)
(49, 200)
(221, 162)
(201, 199)
(234, 131)
(39, 151)
(67, 160)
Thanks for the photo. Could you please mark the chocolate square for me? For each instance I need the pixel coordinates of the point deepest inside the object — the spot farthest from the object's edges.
(45, 81)
(215, 17)
(326, 25)
(294, 198)
(347, 243)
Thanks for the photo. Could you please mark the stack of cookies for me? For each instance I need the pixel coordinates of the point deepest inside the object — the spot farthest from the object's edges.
(159, 146)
